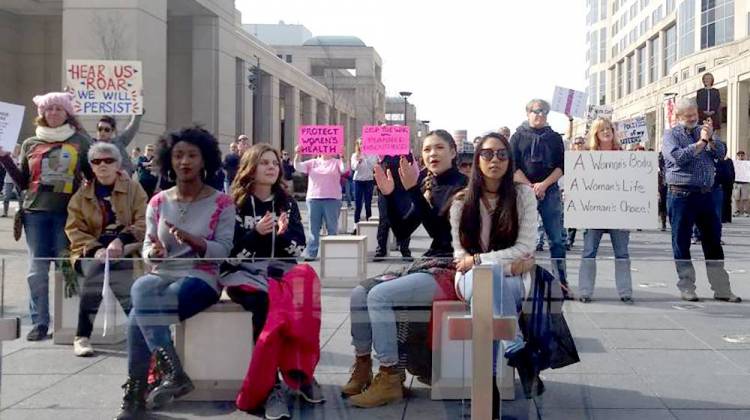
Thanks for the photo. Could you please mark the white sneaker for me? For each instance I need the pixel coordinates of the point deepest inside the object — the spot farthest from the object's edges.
(82, 347)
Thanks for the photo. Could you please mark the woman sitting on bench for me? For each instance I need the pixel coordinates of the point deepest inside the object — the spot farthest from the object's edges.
(494, 222)
(105, 217)
(184, 224)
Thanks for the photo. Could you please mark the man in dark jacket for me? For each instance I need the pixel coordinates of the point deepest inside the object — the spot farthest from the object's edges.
(539, 154)
(384, 224)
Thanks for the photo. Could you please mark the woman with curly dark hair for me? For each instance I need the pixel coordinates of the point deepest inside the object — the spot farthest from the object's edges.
(184, 224)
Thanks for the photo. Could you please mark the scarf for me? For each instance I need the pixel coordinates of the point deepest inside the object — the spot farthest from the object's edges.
(54, 135)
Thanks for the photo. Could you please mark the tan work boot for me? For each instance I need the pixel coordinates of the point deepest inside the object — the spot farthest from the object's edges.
(361, 377)
(387, 387)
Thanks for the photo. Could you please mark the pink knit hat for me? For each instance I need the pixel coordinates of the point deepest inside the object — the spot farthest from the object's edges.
(64, 99)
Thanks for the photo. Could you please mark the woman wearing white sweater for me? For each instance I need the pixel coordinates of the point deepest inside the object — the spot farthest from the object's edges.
(504, 214)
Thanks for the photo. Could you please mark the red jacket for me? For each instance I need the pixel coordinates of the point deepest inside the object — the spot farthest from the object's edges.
(290, 340)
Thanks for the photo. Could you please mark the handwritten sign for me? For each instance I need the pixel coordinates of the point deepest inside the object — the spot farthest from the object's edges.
(390, 140)
(105, 87)
(632, 131)
(321, 139)
(741, 170)
(611, 190)
(670, 113)
(599, 111)
(569, 102)
(11, 117)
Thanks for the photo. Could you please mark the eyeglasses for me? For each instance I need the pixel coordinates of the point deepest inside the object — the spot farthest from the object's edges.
(539, 112)
(105, 129)
(488, 154)
(108, 161)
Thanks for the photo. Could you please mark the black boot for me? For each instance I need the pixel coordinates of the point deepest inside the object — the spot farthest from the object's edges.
(134, 401)
(174, 384)
(495, 399)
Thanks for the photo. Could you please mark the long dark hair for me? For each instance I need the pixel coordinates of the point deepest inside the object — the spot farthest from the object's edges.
(427, 183)
(504, 219)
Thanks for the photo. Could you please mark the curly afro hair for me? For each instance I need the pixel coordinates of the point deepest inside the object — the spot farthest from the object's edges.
(195, 135)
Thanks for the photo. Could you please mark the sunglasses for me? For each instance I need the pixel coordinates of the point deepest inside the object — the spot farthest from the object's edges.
(488, 154)
(107, 161)
(105, 129)
(539, 111)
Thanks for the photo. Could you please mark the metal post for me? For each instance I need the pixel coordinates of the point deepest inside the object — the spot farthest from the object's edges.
(406, 108)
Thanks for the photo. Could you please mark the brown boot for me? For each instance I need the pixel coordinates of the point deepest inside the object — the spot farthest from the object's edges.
(386, 388)
(361, 377)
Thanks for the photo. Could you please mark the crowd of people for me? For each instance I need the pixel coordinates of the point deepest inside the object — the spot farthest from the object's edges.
(203, 225)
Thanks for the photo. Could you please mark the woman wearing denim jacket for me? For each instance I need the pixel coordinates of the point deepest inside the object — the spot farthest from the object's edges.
(602, 138)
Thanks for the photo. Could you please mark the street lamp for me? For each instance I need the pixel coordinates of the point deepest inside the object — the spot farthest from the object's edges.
(405, 95)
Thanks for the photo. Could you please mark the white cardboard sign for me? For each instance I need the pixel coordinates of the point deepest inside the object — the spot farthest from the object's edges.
(632, 131)
(11, 118)
(569, 102)
(611, 190)
(741, 170)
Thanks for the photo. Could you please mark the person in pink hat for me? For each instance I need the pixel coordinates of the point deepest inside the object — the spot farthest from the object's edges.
(53, 163)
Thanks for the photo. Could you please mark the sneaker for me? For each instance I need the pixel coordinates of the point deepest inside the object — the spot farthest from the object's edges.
(312, 392)
(731, 298)
(277, 403)
(627, 300)
(689, 295)
(584, 299)
(82, 347)
(38, 333)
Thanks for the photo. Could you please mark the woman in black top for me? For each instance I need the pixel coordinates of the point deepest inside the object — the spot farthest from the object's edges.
(373, 319)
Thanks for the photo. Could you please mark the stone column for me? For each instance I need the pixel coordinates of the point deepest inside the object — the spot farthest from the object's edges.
(309, 110)
(140, 28)
(267, 117)
(205, 82)
(324, 113)
(291, 117)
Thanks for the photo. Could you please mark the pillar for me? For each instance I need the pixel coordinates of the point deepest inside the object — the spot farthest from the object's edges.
(309, 110)
(205, 82)
(324, 113)
(268, 118)
(291, 117)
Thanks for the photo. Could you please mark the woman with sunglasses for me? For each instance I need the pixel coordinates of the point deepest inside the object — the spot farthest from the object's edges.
(372, 309)
(106, 219)
(106, 130)
(602, 138)
(493, 223)
(53, 163)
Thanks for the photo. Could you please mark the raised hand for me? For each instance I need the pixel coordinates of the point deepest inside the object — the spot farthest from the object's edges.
(283, 223)
(408, 173)
(385, 182)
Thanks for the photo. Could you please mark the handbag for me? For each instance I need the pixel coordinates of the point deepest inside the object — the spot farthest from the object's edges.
(18, 224)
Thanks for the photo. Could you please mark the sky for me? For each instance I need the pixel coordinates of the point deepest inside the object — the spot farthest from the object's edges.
(471, 64)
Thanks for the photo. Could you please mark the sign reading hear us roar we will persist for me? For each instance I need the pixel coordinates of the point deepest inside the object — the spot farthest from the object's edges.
(105, 87)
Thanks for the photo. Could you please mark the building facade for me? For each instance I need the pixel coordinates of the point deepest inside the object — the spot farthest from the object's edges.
(196, 60)
(640, 52)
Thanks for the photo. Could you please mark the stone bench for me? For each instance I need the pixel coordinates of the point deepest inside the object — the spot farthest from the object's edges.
(215, 347)
(343, 260)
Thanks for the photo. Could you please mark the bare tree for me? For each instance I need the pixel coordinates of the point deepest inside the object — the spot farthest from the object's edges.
(109, 35)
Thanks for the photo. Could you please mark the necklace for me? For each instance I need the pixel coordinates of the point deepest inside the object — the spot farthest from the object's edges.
(183, 208)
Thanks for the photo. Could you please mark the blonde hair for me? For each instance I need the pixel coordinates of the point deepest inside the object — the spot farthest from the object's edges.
(599, 124)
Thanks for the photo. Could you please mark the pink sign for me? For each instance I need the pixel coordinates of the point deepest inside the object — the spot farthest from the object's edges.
(385, 140)
(321, 139)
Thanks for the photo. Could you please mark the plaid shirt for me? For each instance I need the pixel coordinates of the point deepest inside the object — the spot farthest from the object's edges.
(684, 165)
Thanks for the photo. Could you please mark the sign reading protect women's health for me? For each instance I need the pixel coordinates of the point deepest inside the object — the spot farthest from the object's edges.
(321, 139)
(105, 87)
(392, 140)
(11, 118)
(611, 190)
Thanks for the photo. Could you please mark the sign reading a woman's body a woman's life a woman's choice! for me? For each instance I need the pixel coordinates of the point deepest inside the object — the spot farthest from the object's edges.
(390, 140)
(321, 139)
(611, 190)
(104, 87)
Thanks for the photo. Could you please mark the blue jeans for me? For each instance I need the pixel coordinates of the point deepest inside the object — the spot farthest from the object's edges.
(587, 274)
(373, 321)
(158, 303)
(346, 191)
(551, 210)
(363, 198)
(45, 238)
(507, 300)
(718, 193)
(319, 210)
(685, 210)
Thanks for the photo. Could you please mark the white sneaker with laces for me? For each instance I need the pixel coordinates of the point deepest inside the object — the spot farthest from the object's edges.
(82, 347)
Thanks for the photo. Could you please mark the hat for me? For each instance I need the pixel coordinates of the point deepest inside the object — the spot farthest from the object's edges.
(64, 99)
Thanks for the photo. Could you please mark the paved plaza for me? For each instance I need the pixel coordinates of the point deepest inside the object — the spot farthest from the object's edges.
(658, 359)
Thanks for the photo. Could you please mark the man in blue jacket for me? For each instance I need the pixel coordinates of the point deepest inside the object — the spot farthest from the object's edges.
(690, 151)
(539, 155)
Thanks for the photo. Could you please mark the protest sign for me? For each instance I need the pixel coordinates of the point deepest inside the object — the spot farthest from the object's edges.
(321, 139)
(670, 113)
(611, 190)
(385, 140)
(569, 102)
(105, 87)
(632, 131)
(599, 111)
(741, 170)
(11, 118)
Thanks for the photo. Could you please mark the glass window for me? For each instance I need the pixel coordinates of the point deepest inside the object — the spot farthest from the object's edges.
(602, 45)
(603, 10)
(717, 22)
(670, 6)
(612, 82)
(602, 87)
(629, 74)
(594, 50)
(620, 77)
(670, 49)
(592, 88)
(685, 28)
(653, 57)
(641, 74)
(633, 11)
(593, 11)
